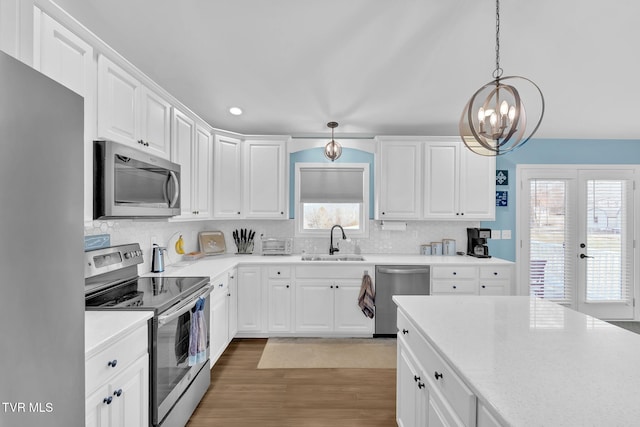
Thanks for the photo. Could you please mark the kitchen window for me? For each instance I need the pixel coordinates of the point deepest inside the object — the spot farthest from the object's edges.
(330, 194)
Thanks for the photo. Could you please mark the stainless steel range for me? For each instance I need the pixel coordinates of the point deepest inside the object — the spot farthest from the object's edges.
(177, 378)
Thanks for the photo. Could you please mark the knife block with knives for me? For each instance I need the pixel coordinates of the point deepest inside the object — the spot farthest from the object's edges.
(243, 239)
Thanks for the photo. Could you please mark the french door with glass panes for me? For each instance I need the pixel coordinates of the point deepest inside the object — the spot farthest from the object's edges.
(576, 228)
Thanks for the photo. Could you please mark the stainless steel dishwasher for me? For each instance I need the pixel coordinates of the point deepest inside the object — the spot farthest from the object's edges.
(397, 280)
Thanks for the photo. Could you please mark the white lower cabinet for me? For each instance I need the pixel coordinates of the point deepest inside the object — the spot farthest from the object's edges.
(219, 330)
(250, 300)
(282, 300)
(117, 383)
(314, 306)
(471, 280)
(429, 393)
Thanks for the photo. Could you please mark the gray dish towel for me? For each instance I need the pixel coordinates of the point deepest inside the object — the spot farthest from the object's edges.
(367, 297)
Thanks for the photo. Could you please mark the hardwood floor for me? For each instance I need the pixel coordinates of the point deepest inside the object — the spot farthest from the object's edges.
(241, 395)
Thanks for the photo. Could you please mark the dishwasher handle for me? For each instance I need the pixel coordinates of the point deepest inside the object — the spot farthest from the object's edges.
(403, 270)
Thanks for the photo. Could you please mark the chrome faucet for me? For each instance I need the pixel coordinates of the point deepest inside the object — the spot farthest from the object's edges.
(332, 250)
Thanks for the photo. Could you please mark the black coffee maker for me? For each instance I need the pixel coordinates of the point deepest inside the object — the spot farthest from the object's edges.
(477, 242)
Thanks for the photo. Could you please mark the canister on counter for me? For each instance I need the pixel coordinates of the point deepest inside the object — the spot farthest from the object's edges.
(448, 247)
(425, 249)
(436, 248)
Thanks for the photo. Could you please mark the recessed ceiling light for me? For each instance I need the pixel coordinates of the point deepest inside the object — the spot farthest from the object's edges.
(236, 111)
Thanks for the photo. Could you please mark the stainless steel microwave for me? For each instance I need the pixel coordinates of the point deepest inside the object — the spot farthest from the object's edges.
(128, 183)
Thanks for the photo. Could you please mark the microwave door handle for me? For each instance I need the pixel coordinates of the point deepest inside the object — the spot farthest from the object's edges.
(176, 194)
(183, 308)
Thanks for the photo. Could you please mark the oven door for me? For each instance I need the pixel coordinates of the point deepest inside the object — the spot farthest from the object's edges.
(173, 371)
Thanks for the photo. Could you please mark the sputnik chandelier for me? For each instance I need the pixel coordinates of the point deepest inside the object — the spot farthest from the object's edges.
(332, 150)
(494, 121)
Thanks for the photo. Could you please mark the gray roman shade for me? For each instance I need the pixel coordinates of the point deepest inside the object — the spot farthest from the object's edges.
(331, 185)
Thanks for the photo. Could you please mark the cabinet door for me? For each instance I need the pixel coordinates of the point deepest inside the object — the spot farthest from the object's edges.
(407, 388)
(399, 180)
(155, 124)
(279, 305)
(349, 318)
(227, 188)
(219, 330)
(118, 104)
(477, 186)
(130, 392)
(63, 56)
(314, 306)
(202, 161)
(264, 179)
(183, 136)
(233, 303)
(249, 300)
(441, 180)
(67, 59)
(97, 409)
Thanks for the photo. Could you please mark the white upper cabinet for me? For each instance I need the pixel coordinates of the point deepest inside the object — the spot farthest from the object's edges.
(183, 137)
(477, 185)
(202, 163)
(458, 184)
(62, 55)
(68, 59)
(433, 178)
(155, 123)
(130, 113)
(193, 151)
(249, 178)
(441, 180)
(227, 177)
(264, 189)
(399, 193)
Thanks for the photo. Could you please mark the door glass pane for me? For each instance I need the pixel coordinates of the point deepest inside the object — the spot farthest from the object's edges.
(550, 234)
(606, 230)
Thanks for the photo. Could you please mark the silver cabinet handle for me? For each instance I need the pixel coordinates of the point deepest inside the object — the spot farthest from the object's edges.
(403, 271)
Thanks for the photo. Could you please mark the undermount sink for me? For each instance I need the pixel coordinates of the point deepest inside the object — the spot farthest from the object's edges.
(332, 258)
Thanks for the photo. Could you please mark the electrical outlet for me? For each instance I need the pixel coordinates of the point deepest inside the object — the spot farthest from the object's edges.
(495, 235)
(506, 234)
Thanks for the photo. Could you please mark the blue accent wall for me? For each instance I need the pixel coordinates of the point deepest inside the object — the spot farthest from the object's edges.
(552, 151)
(316, 155)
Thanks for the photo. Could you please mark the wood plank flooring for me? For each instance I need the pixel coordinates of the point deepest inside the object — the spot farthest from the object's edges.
(242, 395)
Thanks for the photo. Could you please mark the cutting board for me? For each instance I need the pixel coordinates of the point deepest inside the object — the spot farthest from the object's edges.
(212, 242)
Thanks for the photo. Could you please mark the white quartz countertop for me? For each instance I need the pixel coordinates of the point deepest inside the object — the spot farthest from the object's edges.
(534, 362)
(101, 327)
(215, 265)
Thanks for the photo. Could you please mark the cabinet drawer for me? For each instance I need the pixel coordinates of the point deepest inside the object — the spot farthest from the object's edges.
(453, 272)
(494, 287)
(502, 272)
(123, 351)
(279, 272)
(453, 287)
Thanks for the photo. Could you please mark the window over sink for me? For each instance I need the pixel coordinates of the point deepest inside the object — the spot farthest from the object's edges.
(330, 194)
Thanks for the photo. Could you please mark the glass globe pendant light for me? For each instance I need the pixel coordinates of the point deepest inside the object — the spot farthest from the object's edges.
(332, 150)
(494, 121)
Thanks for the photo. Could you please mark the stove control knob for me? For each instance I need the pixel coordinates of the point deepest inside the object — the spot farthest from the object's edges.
(127, 255)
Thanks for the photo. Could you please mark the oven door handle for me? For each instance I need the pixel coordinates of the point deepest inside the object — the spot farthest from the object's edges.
(183, 308)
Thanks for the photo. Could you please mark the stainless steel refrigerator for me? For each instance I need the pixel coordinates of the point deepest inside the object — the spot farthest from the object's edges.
(41, 250)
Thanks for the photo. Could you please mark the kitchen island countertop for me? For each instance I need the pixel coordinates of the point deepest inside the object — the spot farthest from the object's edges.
(534, 362)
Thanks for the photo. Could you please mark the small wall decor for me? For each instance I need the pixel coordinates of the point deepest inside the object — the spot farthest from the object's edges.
(502, 198)
(502, 177)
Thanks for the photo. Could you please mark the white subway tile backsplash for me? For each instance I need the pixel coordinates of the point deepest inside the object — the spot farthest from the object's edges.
(379, 241)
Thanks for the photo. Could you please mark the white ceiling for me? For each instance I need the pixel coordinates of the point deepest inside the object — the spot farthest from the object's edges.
(379, 67)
